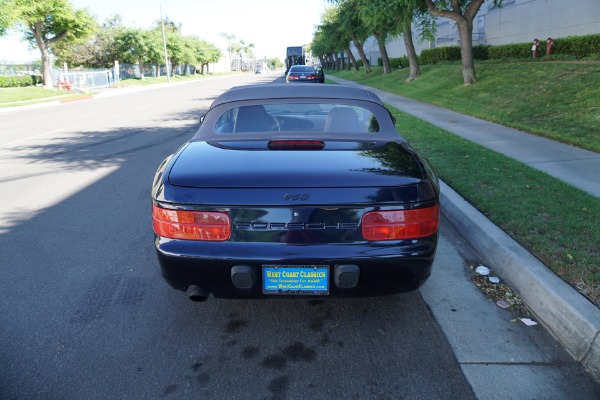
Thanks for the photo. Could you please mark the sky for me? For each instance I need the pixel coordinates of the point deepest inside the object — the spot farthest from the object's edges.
(271, 25)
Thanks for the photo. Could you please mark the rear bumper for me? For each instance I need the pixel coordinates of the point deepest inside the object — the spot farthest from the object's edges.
(384, 269)
(302, 81)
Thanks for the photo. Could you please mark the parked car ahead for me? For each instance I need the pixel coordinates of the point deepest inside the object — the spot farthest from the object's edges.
(295, 191)
(302, 74)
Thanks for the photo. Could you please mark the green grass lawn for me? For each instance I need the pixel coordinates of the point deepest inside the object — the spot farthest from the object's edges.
(11, 97)
(557, 100)
(554, 221)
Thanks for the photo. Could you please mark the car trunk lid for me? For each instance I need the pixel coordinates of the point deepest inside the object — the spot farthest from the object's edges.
(230, 165)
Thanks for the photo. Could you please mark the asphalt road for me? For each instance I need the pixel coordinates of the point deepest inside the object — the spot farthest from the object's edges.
(84, 312)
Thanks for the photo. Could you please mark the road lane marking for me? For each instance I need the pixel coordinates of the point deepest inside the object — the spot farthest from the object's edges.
(33, 137)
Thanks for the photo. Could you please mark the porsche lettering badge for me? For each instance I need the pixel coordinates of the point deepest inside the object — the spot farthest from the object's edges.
(294, 226)
(296, 196)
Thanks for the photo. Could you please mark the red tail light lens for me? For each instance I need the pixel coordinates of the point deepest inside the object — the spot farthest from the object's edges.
(191, 225)
(401, 224)
(296, 144)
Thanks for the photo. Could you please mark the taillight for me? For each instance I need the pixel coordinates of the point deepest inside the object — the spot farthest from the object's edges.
(191, 225)
(296, 144)
(401, 224)
(312, 77)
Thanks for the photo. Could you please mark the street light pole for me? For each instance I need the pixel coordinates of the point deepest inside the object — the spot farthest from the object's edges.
(162, 25)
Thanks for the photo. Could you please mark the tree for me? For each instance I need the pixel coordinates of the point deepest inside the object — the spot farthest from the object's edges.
(189, 54)
(334, 38)
(247, 50)
(381, 23)
(274, 63)
(229, 38)
(322, 46)
(462, 12)
(177, 49)
(236, 49)
(45, 23)
(98, 51)
(205, 53)
(405, 13)
(135, 45)
(156, 52)
(351, 23)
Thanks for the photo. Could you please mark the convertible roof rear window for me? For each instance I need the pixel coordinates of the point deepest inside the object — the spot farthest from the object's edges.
(324, 117)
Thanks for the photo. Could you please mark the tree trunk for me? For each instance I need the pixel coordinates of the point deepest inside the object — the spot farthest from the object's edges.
(413, 62)
(465, 31)
(141, 65)
(332, 61)
(323, 62)
(157, 66)
(361, 51)
(387, 68)
(342, 61)
(464, 22)
(46, 62)
(351, 60)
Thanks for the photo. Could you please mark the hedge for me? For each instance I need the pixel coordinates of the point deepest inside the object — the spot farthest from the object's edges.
(451, 53)
(400, 62)
(439, 54)
(19, 80)
(573, 46)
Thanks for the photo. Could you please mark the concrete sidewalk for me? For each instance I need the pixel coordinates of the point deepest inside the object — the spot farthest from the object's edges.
(568, 316)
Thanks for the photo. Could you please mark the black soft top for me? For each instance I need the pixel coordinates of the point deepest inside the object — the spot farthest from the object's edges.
(268, 91)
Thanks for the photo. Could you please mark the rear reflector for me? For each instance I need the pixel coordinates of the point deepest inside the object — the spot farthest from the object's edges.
(296, 144)
(191, 225)
(401, 224)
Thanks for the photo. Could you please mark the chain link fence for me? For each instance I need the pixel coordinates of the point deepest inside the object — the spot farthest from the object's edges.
(84, 80)
(21, 69)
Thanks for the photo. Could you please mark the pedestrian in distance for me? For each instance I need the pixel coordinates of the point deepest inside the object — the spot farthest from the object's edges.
(549, 45)
(534, 48)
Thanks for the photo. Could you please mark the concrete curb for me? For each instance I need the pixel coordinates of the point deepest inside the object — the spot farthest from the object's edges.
(569, 317)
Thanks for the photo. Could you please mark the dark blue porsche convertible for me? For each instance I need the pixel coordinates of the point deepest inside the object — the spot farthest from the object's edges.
(295, 191)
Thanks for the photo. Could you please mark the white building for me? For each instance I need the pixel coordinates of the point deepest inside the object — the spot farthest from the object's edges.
(517, 21)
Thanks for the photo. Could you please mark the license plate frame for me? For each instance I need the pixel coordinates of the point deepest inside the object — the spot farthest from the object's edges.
(295, 280)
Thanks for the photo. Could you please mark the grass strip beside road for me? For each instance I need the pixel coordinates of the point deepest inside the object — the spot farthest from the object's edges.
(21, 96)
(13, 97)
(553, 220)
(557, 100)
